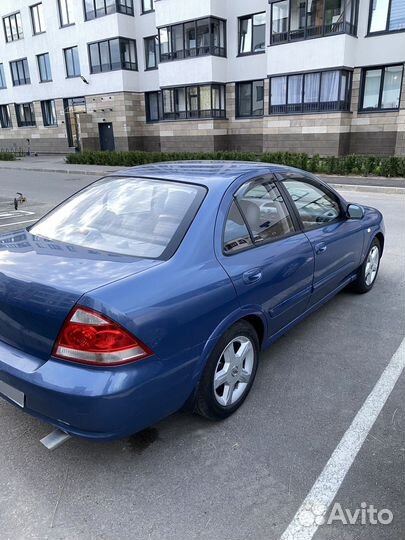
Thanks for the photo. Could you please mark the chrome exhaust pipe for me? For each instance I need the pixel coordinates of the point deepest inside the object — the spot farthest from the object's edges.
(54, 439)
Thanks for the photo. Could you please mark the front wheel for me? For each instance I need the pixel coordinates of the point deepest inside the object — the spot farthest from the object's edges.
(369, 269)
(229, 373)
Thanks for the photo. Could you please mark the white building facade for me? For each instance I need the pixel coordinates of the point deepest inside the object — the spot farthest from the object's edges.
(319, 76)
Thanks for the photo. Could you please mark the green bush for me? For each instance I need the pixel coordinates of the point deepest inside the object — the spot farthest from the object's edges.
(343, 165)
(7, 156)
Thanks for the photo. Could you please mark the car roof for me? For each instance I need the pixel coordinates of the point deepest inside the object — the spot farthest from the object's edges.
(208, 173)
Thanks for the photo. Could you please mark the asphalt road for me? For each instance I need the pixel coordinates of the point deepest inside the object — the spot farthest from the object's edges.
(245, 478)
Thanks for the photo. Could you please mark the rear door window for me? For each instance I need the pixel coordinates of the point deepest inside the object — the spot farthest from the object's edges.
(236, 234)
(258, 215)
(265, 211)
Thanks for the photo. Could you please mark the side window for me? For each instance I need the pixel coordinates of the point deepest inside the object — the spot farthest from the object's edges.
(236, 234)
(264, 210)
(315, 206)
(259, 213)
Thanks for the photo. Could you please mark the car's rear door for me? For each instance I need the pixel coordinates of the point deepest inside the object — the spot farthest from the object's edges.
(337, 241)
(268, 258)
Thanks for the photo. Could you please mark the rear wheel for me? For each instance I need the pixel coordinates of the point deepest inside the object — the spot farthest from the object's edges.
(369, 269)
(229, 373)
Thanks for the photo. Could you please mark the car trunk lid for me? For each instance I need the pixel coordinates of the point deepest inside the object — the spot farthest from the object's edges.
(41, 281)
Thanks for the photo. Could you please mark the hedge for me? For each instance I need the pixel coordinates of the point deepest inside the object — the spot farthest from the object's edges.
(7, 156)
(344, 165)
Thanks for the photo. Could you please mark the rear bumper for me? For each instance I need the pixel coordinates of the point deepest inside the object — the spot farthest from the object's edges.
(97, 403)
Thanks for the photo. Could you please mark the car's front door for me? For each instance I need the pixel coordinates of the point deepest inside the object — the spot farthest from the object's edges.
(269, 260)
(337, 241)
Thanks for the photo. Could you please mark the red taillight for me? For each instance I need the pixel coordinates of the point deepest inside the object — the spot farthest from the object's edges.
(90, 338)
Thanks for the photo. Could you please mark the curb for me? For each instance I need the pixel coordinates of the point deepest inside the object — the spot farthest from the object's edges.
(387, 190)
(356, 176)
(62, 171)
(390, 190)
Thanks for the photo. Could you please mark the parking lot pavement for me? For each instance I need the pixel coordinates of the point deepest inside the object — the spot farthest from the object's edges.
(42, 191)
(247, 477)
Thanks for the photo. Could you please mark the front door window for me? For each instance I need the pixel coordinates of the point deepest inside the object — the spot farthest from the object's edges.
(316, 206)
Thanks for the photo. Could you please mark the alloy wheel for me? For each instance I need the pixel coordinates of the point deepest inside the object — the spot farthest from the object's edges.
(234, 371)
(372, 265)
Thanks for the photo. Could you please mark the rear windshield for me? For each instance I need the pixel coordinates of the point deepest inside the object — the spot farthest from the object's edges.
(130, 216)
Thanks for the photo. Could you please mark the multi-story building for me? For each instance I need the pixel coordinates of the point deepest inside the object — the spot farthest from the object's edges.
(321, 76)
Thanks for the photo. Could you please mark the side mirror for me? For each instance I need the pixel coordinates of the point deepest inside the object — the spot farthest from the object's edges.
(355, 211)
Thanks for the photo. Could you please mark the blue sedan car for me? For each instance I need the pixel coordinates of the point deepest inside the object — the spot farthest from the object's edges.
(155, 288)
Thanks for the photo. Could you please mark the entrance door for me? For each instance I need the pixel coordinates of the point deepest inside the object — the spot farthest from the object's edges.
(73, 107)
(106, 134)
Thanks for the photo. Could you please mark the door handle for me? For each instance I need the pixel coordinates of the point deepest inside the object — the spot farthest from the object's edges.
(252, 276)
(321, 248)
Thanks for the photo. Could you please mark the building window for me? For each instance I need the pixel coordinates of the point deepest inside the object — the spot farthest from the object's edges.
(151, 52)
(387, 16)
(113, 54)
(2, 77)
(37, 18)
(13, 29)
(125, 6)
(294, 20)
(252, 34)
(381, 88)
(49, 112)
(20, 73)
(99, 8)
(5, 118)
(72, 62)
(194, 38)
(153, 103)
(44, 67)
(326, 91)
(25, 114)
(250, 98)
(205, 101)
(147, 6)
(279, 22)
(65, 12)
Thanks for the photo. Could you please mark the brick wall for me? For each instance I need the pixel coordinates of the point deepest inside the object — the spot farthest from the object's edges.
(49, 139)
(373, 133)
(324, 134)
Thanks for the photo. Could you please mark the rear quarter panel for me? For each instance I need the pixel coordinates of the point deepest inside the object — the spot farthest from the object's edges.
(175, 308)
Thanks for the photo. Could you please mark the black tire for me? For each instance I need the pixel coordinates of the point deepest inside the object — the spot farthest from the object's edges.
(361, 285)
(207, 398)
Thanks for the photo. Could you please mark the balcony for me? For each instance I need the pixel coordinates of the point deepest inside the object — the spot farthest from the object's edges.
(202, 37)
(295, 20)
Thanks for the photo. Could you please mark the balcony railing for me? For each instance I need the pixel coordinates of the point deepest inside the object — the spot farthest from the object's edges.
(299, 108)
(185, 115)
(113, 66)
(26, 123)
(342, 27)
(204, 50)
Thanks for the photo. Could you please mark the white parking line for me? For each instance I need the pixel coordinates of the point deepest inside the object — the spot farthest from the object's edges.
(16, 214)
(18, 222)
(312, 511)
